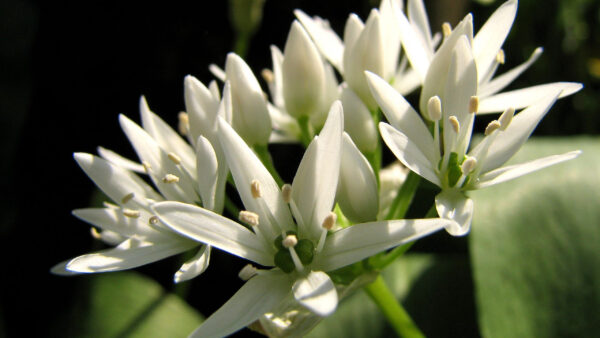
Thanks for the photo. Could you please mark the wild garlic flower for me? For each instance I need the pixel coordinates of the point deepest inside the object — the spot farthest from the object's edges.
(178, 171)
(291, 229)
(442, 158)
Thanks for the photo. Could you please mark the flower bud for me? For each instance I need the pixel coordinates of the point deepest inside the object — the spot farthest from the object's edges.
(358, 121)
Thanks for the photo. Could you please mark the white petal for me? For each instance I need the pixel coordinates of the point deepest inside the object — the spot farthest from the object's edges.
(317, 293)
(115, 181)
(259, 295)
(406, 82)
(491, 36)
(207, 227)
(217, 72)
(525, 97)
(315, 183)
(128, 255)
(354, 26)
(246, 167)
(358, 121)
(61, 269)
(510, 172)
(408, 153)
(357, 193)
(195, 266)
(390, 10)
(418, 18)
(275, 87)
(418, 51)
(456, 206)
(285, 127)
(360, 241)
(402, 116)
(208, 173)
(120, 161)
(201, 106)
(498, 83)
(114, 220)
(324, 37)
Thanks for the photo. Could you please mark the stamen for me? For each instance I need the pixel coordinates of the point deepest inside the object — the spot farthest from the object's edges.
(454, 123)
(248, 217)
(184, 123)
(289, 241)
(147, 166)
(127, 198)
(170, 178)
(110, 205)
(473, 104)
(506, 118)
(434, 108)
(446, 29)
(468, 165)
(153, 220)
(176, 159)
(267, 74)
(329, 221)
(95, 233)
(500, 57)
(286, 193)
(255, 189)
(131, 213)
(492, 127)
(247, 272)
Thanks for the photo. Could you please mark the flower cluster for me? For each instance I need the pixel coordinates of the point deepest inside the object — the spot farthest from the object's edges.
(335, 211)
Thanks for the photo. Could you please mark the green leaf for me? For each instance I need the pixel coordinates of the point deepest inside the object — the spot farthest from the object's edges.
(128, 304)
(534, 247)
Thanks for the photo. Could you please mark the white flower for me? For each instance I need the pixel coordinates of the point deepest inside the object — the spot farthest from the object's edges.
(299, 244)
(442, 158)
(179, 173)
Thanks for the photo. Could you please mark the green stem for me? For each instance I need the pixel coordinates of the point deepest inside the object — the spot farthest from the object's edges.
(231, 207)
(305, 133)
(242, 41)
(393, 311)
(267, 160)
(404, 197)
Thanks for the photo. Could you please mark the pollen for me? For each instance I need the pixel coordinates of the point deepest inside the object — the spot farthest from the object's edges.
(131, 213)
(500, 57)
(329, 221)
(454, 123)
(127, 198)
(176, 159)
(147, 166)
(286, 192)
(184, 123)
(446, 29)
(492, 127)
(255, 189)
(289, 241)
(473, 104)
(248, 217)
(247, 272)
(468, 165)
(506, 118)
(170, 178)
(267, 74)
(434, 108)
(95, 233)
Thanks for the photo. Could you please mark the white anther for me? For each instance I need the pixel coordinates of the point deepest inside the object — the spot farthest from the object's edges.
(95, 233)
(153, 220)
(491, 127)
(454, 123)
(184, 123)
(500, 57)
(434, 108)
(289, 241)
(176, 159)
(473, 104)
(248, 217)
(170, 178)
(329, 221)
(147, 166)
(446, 29)
(127, 198)
(506, 118)
(247, 272)
(267, 74)
(286, 193)
(255, 189)
(468, 165)
(131, 213)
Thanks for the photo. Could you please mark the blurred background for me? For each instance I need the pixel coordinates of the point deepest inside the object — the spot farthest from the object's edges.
(70, 67)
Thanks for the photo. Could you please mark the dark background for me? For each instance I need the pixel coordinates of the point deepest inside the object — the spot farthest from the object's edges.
(70, 67)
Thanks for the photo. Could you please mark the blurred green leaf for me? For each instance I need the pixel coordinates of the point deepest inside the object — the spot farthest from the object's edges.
(128, 304)
(534, 247)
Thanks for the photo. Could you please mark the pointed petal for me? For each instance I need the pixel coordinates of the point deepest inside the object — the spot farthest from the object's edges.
(390, 10)
(525, 97)
(360, 241)
(358, 121)
(208, 172)
(128, 255)
(498, 83)
(418, 18)
(408, 153)
(217, 71)
(416, 47)
(195, 266)
(402, 116)
(511, 172)
(201, 106)
(207, 227)
(61, 269)
(275, 87)
(115, 181)
(315, 183)
(406, 82)
(317, 293)
(114, 220)
(246, 167)
(456, 206)
(492, 34)
(327, 41)
(120, 161)
(259, 295)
